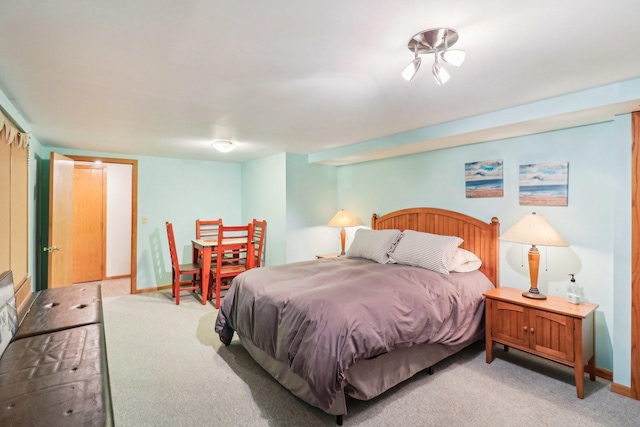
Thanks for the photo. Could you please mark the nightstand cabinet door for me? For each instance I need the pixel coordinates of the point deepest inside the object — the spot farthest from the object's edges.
(551, 334)
(509, 324)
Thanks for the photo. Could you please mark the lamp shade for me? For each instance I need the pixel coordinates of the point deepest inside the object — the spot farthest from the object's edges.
(534, 229)
(342, 219)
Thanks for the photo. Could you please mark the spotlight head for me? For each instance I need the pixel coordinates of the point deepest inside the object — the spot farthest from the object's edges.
(412, 69)
(454, 57)
(441, 75)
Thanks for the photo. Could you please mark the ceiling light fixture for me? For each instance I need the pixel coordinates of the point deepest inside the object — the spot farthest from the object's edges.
(224, 146)
(436, 41)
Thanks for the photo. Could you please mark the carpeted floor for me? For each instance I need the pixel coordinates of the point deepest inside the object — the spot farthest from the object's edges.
(168, 368)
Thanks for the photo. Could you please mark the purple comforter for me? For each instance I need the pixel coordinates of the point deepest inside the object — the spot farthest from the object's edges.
(322, 316)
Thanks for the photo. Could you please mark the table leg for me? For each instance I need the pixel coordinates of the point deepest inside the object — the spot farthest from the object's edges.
(194, 254)
(578, 366)
(488, 339)
(579, 374)
(592, 368)
(206, 271)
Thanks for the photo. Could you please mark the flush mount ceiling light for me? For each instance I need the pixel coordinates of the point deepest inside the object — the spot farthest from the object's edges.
(224, 146)
(436, 41)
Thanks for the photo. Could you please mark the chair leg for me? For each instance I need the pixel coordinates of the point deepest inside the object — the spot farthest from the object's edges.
(173, 284)
(176, 285)
(218, 284)
(176, 288)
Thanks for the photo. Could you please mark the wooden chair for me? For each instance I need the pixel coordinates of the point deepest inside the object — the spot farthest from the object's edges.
(233, 257)
(206, 230)
(178, 270)
(259, 231)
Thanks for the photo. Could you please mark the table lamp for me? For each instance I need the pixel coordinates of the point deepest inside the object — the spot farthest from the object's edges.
(343, 219)
(534, 230)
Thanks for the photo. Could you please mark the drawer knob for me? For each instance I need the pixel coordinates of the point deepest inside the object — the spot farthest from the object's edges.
(524, 328)
(532, 330)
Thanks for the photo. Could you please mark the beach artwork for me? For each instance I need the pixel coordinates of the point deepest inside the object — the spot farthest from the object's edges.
(544, 184)
(484, 179)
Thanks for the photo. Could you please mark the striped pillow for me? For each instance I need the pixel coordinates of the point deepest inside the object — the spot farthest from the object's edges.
(373, 244)
(430, 251)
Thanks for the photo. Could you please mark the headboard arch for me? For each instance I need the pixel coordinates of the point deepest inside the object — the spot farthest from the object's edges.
(479, 237)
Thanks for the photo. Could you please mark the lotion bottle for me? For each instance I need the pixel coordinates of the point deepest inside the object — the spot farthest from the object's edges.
(573, 294)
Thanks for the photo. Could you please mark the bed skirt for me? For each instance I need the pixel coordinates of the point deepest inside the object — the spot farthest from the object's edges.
(366, 379)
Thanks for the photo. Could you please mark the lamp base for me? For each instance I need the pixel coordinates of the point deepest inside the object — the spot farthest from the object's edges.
(534, 295)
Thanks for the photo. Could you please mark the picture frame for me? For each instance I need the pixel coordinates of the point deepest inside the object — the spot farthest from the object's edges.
(544, 184)
(484, 179)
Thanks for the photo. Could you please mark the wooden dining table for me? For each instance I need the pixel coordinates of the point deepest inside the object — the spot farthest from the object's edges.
(207, 247)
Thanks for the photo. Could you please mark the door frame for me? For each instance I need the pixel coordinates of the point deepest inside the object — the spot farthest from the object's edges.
(134, 208)
(635, 256)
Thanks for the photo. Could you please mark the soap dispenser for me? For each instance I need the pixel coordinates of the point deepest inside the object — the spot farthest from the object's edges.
(573, 293)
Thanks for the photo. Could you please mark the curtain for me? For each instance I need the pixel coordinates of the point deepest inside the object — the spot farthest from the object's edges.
(12, 134)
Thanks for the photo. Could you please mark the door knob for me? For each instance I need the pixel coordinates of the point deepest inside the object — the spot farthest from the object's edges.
(51, 248)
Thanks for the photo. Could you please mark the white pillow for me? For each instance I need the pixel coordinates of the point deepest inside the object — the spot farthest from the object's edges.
(464, 261)
(426, 250)
(374, 244)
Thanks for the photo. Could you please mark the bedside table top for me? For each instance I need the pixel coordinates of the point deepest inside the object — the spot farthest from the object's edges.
(552, 303)
(328, 256)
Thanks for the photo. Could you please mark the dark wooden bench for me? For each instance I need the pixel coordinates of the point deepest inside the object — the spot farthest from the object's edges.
(54, 370)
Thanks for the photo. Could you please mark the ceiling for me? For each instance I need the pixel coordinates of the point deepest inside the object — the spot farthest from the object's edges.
(165, 78)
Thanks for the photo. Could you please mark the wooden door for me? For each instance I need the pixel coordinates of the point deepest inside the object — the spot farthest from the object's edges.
(89, 222)
(508, 324)
(551, 334)
(60, 221)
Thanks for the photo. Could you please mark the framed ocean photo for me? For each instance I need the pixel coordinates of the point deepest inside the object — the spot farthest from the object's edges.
(484, 179)
(544, 184)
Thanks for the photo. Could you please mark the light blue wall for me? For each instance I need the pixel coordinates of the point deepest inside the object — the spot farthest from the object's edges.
(622, 250)
(264, 196)
(311, 203)
(179, 191)
(437, 179)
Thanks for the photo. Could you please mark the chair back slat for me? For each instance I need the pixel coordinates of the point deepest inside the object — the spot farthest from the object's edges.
(259, 232)
(172, 247)
(177, 270)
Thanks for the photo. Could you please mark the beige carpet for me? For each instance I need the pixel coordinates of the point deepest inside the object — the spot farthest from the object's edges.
(113, 287)
(168, 368)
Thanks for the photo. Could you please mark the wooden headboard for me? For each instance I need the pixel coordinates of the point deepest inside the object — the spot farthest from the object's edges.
(479, 237)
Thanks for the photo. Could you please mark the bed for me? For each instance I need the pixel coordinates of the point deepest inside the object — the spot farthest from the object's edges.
(348, 326)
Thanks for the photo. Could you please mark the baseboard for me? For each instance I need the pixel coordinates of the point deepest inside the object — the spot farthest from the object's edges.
(123, 276)
(159, 288)
(621, 389)
(603, 373)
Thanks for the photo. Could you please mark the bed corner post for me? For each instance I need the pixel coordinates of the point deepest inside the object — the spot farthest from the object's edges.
(374, 219)
(495, 249)
(339, 417)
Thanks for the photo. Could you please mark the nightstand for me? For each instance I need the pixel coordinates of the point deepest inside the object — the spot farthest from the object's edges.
(553, 328)
(327, 256)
